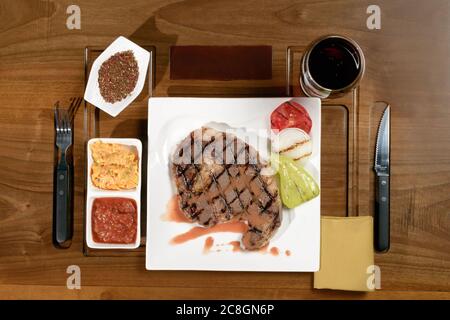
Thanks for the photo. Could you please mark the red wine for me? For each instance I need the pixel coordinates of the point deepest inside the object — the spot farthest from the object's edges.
(334, 63)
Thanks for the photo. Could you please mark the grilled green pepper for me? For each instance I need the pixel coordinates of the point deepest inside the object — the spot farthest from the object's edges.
(296, 184)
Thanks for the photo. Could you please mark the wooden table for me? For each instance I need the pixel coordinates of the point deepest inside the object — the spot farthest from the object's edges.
(408, 65)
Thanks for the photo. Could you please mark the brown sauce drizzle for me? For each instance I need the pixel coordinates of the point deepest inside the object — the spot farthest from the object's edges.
(209, 242)
(196, 232)
(274, 251)
(173, 211)
(236, 246)
(175, 214)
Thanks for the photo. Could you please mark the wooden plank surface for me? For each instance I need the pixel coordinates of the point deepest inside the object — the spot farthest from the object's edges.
(407, 65)
(104, 292)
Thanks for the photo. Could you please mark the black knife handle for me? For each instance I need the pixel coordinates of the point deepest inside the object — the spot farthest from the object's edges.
(382, 216)
(62, 218)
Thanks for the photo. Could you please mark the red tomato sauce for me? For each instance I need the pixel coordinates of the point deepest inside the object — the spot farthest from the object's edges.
(114, 220)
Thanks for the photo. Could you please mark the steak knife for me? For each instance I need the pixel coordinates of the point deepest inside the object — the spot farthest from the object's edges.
(382, 169)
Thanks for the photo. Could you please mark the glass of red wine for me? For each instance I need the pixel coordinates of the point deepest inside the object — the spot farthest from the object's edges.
(331, 66)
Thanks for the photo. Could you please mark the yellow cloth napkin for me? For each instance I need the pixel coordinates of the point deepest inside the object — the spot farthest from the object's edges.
(346, 256)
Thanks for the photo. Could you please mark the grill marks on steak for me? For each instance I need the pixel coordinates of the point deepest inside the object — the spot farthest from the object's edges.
(218, 178)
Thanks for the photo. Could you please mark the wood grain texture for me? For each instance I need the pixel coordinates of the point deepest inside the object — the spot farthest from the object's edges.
(121, 293)
(407, 65)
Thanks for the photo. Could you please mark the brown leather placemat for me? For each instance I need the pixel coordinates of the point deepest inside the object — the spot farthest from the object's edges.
(221, 62)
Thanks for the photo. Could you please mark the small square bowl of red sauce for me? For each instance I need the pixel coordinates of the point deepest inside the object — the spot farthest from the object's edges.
(114, 223)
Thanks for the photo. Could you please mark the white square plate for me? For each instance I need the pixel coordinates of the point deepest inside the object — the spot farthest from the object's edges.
(92, 92)
(170, 120)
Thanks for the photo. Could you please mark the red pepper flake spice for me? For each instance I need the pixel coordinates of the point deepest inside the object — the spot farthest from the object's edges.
(117, 76)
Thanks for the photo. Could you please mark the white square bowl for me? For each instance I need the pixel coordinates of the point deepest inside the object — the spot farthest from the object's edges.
(94, 193)
(92, 92)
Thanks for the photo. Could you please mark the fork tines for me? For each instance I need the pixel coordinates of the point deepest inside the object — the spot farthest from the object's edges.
(61, 115)
(63, 127)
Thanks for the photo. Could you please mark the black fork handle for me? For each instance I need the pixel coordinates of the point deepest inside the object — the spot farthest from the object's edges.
(63, 204)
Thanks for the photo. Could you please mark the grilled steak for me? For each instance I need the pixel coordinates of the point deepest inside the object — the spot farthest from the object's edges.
(218, 177)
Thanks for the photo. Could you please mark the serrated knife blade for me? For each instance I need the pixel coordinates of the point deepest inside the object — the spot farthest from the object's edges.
(382, 169)
(382, 145)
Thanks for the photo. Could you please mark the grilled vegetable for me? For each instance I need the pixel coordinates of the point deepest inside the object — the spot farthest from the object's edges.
(290, 114)
(296, 184)
(293, 143)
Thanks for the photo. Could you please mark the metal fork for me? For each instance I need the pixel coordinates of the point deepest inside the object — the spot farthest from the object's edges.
(63, 175)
